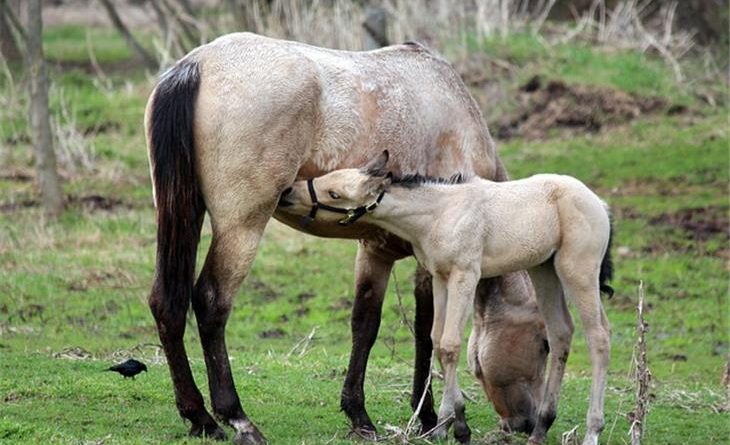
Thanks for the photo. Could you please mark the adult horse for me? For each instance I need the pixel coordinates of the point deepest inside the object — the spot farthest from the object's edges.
(236, 121)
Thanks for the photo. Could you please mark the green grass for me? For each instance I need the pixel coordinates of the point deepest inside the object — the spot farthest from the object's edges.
(72, 44)
(579, 62)
(73, 293)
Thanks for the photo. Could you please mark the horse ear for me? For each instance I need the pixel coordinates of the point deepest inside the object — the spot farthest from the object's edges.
(387, 181)
(375, 185)
(376, 167)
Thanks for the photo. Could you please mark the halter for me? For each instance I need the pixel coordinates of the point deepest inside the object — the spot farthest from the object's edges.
(352, 215)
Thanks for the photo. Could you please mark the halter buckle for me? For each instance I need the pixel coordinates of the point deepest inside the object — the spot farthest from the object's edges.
(349, 218)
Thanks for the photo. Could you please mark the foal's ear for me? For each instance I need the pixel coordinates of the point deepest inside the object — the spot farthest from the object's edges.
(376, 185)
(376, 167)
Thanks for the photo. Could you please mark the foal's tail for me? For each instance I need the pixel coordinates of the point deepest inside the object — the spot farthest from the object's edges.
(179, 203)
(606, 273)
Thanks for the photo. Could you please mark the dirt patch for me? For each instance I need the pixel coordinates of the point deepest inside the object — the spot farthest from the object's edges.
(29, 312)
(272, 333)
(15, 175)
(341, 304)
(545, 106)
(90, 203)
(10, 207)
(262, 290)
(305, 296)
(96, 202)
(700, 224)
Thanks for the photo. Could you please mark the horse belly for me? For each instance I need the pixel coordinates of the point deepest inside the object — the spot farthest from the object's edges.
(525, 243)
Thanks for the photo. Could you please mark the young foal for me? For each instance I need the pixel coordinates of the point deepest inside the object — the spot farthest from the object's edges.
(461, 231)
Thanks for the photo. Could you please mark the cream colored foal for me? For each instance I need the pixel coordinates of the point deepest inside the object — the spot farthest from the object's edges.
(461, 231)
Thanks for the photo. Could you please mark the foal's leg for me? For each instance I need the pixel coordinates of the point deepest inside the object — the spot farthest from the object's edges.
(229, 259)
(461, 288)
(371, 279)
(424, 350)
(581, 286)
(559, 326)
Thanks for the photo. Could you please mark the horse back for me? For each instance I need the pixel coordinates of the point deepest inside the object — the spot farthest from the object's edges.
(314, 109)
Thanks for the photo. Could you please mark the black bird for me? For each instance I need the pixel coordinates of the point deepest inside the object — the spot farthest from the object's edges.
(130, 368)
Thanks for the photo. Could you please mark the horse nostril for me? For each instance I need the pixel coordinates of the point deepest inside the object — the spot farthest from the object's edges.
(286, 192)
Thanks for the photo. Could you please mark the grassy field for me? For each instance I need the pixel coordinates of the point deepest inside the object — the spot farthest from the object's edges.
(73, 293)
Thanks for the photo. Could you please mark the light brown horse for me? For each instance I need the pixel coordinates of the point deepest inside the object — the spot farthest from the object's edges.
(469, 228)
(236, 121)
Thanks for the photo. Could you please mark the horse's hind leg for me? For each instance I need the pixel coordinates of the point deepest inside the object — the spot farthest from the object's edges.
(230, 256)
(559, 326)
(171, 327)
(371, 279)
(581, 284)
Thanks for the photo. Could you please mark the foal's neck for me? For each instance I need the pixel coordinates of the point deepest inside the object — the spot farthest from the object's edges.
(411, 212)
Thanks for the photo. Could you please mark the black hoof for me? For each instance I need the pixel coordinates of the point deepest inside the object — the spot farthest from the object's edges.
(365, 432)
(428, 424)
(210, 430)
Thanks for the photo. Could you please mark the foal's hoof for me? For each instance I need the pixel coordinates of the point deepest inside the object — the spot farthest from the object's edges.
(211, 430)
(462, 432)
(366, 432)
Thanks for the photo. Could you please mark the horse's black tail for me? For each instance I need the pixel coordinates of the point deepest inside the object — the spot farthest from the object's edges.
(179, 203)
(606, 273)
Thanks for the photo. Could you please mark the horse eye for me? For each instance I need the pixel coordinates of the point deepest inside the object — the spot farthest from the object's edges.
(334, 195)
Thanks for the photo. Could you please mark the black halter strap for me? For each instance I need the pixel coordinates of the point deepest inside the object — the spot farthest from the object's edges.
(352, 215)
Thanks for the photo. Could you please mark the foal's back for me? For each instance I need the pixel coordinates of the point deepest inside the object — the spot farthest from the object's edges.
(525, 221)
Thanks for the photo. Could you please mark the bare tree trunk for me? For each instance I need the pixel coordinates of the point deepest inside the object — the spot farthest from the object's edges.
(161, 19)
(375, 26)
(139, 51)
(181, 18)
(8, 45)
(45, 158)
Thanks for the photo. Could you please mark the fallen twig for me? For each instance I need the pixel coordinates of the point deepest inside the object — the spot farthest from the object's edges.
(303, 343)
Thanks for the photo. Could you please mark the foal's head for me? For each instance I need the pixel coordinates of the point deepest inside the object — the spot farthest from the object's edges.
(330, 197)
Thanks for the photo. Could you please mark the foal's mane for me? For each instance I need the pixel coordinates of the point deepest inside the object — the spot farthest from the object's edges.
(415, 180)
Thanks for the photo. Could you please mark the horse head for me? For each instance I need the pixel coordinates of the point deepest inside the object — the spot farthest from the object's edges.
(351, 192)
(512, 376)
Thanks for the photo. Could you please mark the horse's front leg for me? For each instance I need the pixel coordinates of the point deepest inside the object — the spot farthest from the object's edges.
(230, 256)
(462, 285)
(423, 395)
(371, 279)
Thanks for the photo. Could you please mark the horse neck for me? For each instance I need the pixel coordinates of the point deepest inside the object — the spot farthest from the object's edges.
(409, 212)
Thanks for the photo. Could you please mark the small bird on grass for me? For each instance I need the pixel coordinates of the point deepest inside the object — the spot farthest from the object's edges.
(130, 368)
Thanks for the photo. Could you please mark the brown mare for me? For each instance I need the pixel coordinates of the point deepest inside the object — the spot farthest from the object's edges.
(237, 121)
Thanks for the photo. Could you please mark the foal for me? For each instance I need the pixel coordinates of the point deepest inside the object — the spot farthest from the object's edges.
(461, 231)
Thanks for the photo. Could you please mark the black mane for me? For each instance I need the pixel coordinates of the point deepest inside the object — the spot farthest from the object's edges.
(415, 180)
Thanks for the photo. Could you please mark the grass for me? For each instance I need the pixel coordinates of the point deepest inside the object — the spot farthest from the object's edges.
(69, 44)
(73, 293)
(626, 70)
